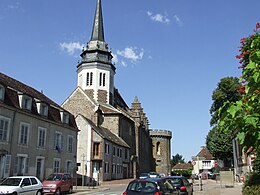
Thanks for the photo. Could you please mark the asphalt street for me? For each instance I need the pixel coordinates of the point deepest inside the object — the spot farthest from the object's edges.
(208, 187)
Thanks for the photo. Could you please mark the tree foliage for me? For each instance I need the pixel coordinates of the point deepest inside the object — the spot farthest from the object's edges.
(219, 143)
(227, 90)
(177, 159)
(243, 116)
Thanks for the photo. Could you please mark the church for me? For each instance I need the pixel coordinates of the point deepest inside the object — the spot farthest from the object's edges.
(114, 140)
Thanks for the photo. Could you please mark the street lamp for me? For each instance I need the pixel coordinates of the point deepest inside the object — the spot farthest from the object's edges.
(83, 168)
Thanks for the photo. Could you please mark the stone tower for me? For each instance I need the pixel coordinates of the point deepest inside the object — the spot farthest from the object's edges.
(96, 70)
(161, 140)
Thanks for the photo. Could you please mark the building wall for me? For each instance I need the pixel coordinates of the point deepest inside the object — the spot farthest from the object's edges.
(145, 155)
(124, 128)
(78, 103)
(32, 151)
(84, 149)
(111, 122)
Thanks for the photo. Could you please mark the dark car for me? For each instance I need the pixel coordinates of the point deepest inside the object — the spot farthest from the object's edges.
(150, 186)
(144, 176)
(182, 184)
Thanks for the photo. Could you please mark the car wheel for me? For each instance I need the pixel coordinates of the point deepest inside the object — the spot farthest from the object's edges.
(70, 190)
(14, 193)
(39, 192)
(58, 192)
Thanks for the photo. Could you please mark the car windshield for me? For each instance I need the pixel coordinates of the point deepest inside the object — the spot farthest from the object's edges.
(175, 181)
(54, 177)
(142, 186)
(11, 182)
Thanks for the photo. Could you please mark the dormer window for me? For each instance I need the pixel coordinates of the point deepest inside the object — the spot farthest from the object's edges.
(2, 93)
(42, 108)
(64, 117)
(25, 102)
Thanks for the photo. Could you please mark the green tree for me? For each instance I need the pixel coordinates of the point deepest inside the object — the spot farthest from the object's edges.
(227, 90)
(177, 159)
(243, 116)
(219, 143)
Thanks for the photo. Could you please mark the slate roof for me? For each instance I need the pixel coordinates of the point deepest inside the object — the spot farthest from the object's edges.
(204, 152)
(107, 134)
(13, 87)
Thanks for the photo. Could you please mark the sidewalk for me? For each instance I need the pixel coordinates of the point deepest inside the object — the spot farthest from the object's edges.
(211, 187)
(100, 188)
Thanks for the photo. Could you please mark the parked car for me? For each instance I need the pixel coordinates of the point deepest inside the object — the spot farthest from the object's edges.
(21, 185)
(153, 174)
(182, 184)
(211, 175)
(150, 186)
(58, 183)
(144, 176)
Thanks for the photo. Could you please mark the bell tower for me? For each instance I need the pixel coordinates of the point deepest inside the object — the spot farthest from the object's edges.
(96, 70)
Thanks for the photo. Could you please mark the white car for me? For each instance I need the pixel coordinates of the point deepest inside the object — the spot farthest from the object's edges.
(153, 175)
(25, 185)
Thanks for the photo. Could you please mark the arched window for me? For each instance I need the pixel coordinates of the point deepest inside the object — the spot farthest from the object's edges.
(89, 80)
(102, 79)
(158, 149)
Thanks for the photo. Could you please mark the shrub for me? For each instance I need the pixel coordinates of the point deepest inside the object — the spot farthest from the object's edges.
(252, 184)
(183, 172)
(251, 190)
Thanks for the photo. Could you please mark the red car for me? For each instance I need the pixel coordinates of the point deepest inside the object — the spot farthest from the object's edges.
(58, 183)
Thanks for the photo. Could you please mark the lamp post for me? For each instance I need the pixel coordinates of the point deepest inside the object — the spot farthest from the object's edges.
(83, 168)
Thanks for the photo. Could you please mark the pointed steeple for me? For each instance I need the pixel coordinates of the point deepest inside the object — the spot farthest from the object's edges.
(96, 71)
(98, 30)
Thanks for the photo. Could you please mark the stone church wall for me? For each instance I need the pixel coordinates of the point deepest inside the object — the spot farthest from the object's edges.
(79, 104)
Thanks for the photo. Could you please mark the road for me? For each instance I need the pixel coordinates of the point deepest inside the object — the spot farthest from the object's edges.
(112, 190)
(117, 187)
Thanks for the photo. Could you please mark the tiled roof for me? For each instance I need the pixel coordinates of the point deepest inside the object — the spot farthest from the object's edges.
(107, 134)
(182, 166)
(204, 152)
(13, 87)
(106, 108)
(119, 101)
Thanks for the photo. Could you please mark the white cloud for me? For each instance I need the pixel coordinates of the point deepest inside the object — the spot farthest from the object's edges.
(71, 47)
(158, 17)
(115, 58)
(131, 53)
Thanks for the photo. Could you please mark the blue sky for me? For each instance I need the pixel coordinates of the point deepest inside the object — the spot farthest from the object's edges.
(169, 53)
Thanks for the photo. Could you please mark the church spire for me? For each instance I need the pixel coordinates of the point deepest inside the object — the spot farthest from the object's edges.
(96, 71)
(98, 30)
